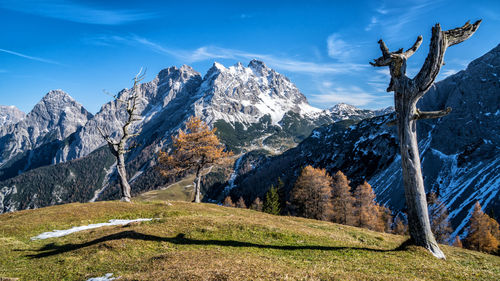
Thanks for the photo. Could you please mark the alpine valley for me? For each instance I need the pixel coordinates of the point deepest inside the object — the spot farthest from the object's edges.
(55, 153)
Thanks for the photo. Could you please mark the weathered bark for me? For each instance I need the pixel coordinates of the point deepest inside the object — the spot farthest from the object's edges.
(407, 92)
(122, 173)
(197, 188)
(119, 148)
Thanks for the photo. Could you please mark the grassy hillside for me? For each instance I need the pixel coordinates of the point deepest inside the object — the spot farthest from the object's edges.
(182, 190)
(209, 242)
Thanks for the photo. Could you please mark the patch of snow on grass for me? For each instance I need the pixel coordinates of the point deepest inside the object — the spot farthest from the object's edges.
(60, 233)
(106, 277)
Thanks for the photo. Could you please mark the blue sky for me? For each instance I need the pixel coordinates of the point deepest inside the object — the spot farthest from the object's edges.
(324, 47)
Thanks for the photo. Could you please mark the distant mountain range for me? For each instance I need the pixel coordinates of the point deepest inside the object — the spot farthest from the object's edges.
(10, 115)
(460, 152)
(252, 107)
(55, 154)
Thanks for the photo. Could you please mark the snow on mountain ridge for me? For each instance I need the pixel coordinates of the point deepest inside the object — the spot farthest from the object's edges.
(10, 115)
(245, 94)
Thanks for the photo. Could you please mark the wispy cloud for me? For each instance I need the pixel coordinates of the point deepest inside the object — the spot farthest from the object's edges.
(392, 20)
(337, 47)
(373, 22)
(449, 72)
(352, 95)
(76, 12)
(205, 53)
(379, 81)
(29, 57)
(445, 73)
(382, 10)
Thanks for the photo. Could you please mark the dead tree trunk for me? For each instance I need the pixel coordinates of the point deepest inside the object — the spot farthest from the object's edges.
(119, 148)
(197, 188)
(407, 92)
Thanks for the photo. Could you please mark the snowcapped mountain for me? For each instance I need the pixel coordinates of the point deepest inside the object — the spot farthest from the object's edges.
(10, 115)
(342, 111)
(55, 117)
(252, 107)
(460, 152)
(246, 94)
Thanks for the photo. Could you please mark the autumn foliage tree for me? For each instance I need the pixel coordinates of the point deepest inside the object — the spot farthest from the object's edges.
(228, 202)
(342, 200)
(256, 205)
(194, 149)
(312, 194)
(400, 226)
(241, 203)
(457, 242)
(367, 212)
(438, 214)
(484, 233)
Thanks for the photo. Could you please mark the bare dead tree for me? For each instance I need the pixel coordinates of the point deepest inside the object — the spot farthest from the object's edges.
(120, 148)
(407, 92)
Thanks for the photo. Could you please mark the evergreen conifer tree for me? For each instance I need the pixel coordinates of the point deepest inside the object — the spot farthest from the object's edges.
(271, 203)
(281, 195)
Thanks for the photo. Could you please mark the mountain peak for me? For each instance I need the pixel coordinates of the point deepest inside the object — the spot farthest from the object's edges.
(218, 66)
(258, 66)
(173, 72)
(57, 94)
(343, 107)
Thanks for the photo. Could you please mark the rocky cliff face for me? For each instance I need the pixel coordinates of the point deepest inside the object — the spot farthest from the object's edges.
(10, 115)
(55, 117)
(459, 152)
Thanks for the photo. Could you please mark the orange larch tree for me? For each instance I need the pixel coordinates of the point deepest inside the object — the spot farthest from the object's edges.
(438, 215)
(194, 149)
(312, 193)
(366, 210)
(342, 200)
(483, 232)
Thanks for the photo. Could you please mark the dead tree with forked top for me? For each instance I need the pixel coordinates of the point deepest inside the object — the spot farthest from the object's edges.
(120, 147)
(407, 92)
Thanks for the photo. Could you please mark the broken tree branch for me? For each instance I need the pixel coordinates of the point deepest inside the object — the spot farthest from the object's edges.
(414, 48)
(440, 41)
(431, 114)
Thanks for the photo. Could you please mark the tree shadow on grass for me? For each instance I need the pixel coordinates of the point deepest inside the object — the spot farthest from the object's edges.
(53, 249)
